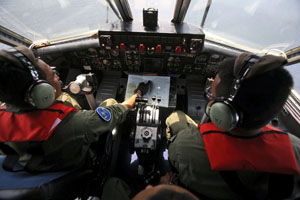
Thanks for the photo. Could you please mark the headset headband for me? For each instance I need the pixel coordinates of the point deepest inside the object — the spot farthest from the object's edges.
(40, 94)
(26, 62)
(243, 72)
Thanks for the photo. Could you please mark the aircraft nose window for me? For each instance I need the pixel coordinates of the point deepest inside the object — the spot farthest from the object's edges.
(294, 70)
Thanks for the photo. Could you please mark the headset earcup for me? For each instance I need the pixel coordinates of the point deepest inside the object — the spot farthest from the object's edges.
(223, 115)
(42, 95)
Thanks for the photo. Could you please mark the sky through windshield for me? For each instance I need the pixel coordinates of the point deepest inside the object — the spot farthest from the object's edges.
(258, 24)
(53, 19)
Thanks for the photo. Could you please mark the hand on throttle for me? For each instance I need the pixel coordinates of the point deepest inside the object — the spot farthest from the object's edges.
(143, 88)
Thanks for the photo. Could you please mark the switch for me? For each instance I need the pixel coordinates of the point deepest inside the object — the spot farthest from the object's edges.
(178, 49)
(122, 47)
(106, 62)
(158, 48)
(141, 48)
(171, 59)
(114, 53)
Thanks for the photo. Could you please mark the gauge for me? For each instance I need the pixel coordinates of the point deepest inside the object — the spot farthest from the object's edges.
(201, 59)
(114, 52)
(195, 44)
(215, 58)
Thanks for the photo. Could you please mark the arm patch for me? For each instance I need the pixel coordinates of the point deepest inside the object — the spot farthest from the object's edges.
(104, 113)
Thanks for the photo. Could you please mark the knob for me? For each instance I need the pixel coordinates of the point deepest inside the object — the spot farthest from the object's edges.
(158, 48)
(92, 51)
(187, 68)
(141, 48)
(177, 59)
(122, 47)
(178, 49)
(106, 62)
(146, 134)
(171, 59)
(114, 53)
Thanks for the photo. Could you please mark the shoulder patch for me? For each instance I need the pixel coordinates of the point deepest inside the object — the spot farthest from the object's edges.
(104, 113)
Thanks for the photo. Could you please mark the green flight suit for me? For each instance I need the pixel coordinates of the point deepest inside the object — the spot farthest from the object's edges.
(69, 144)
(187, 154)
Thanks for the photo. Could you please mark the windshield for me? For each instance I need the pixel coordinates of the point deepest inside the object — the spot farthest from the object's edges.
(53, 19)
(258, 24)
(295, 72)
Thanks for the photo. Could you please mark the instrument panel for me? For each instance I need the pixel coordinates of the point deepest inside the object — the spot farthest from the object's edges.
(133, 61)
(171, 49)
(150, 52)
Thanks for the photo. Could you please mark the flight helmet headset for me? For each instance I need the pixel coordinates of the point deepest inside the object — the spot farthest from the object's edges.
(222, 112)
(40, 94)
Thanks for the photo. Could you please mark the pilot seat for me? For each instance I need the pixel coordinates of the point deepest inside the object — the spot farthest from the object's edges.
(16, 183)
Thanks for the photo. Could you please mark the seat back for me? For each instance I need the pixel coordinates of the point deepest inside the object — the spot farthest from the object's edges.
(50, 185)
(107, 149)
(63, 184)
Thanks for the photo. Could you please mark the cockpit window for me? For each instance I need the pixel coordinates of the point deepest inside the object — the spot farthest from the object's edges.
(295, 72)
(53, 19)
(258, 24)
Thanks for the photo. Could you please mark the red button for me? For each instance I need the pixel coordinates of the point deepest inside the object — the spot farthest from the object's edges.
(158, 48)
(141, 48)
(178, 49)
(122, 47)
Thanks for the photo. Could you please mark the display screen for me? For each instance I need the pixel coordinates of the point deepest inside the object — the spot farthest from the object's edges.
(153, 64)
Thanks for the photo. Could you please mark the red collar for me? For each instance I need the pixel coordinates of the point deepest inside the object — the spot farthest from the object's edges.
(36, 125)
(269, 151)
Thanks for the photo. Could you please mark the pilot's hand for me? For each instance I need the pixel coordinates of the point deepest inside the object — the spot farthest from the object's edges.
(143, 88)
(169, 178)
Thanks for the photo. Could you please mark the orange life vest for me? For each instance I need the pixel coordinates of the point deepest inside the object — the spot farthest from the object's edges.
(36, 125)
(269, 151)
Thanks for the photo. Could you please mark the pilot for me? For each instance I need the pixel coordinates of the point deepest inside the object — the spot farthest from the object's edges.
(117, 189)
(238, 155)
(47, 134)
